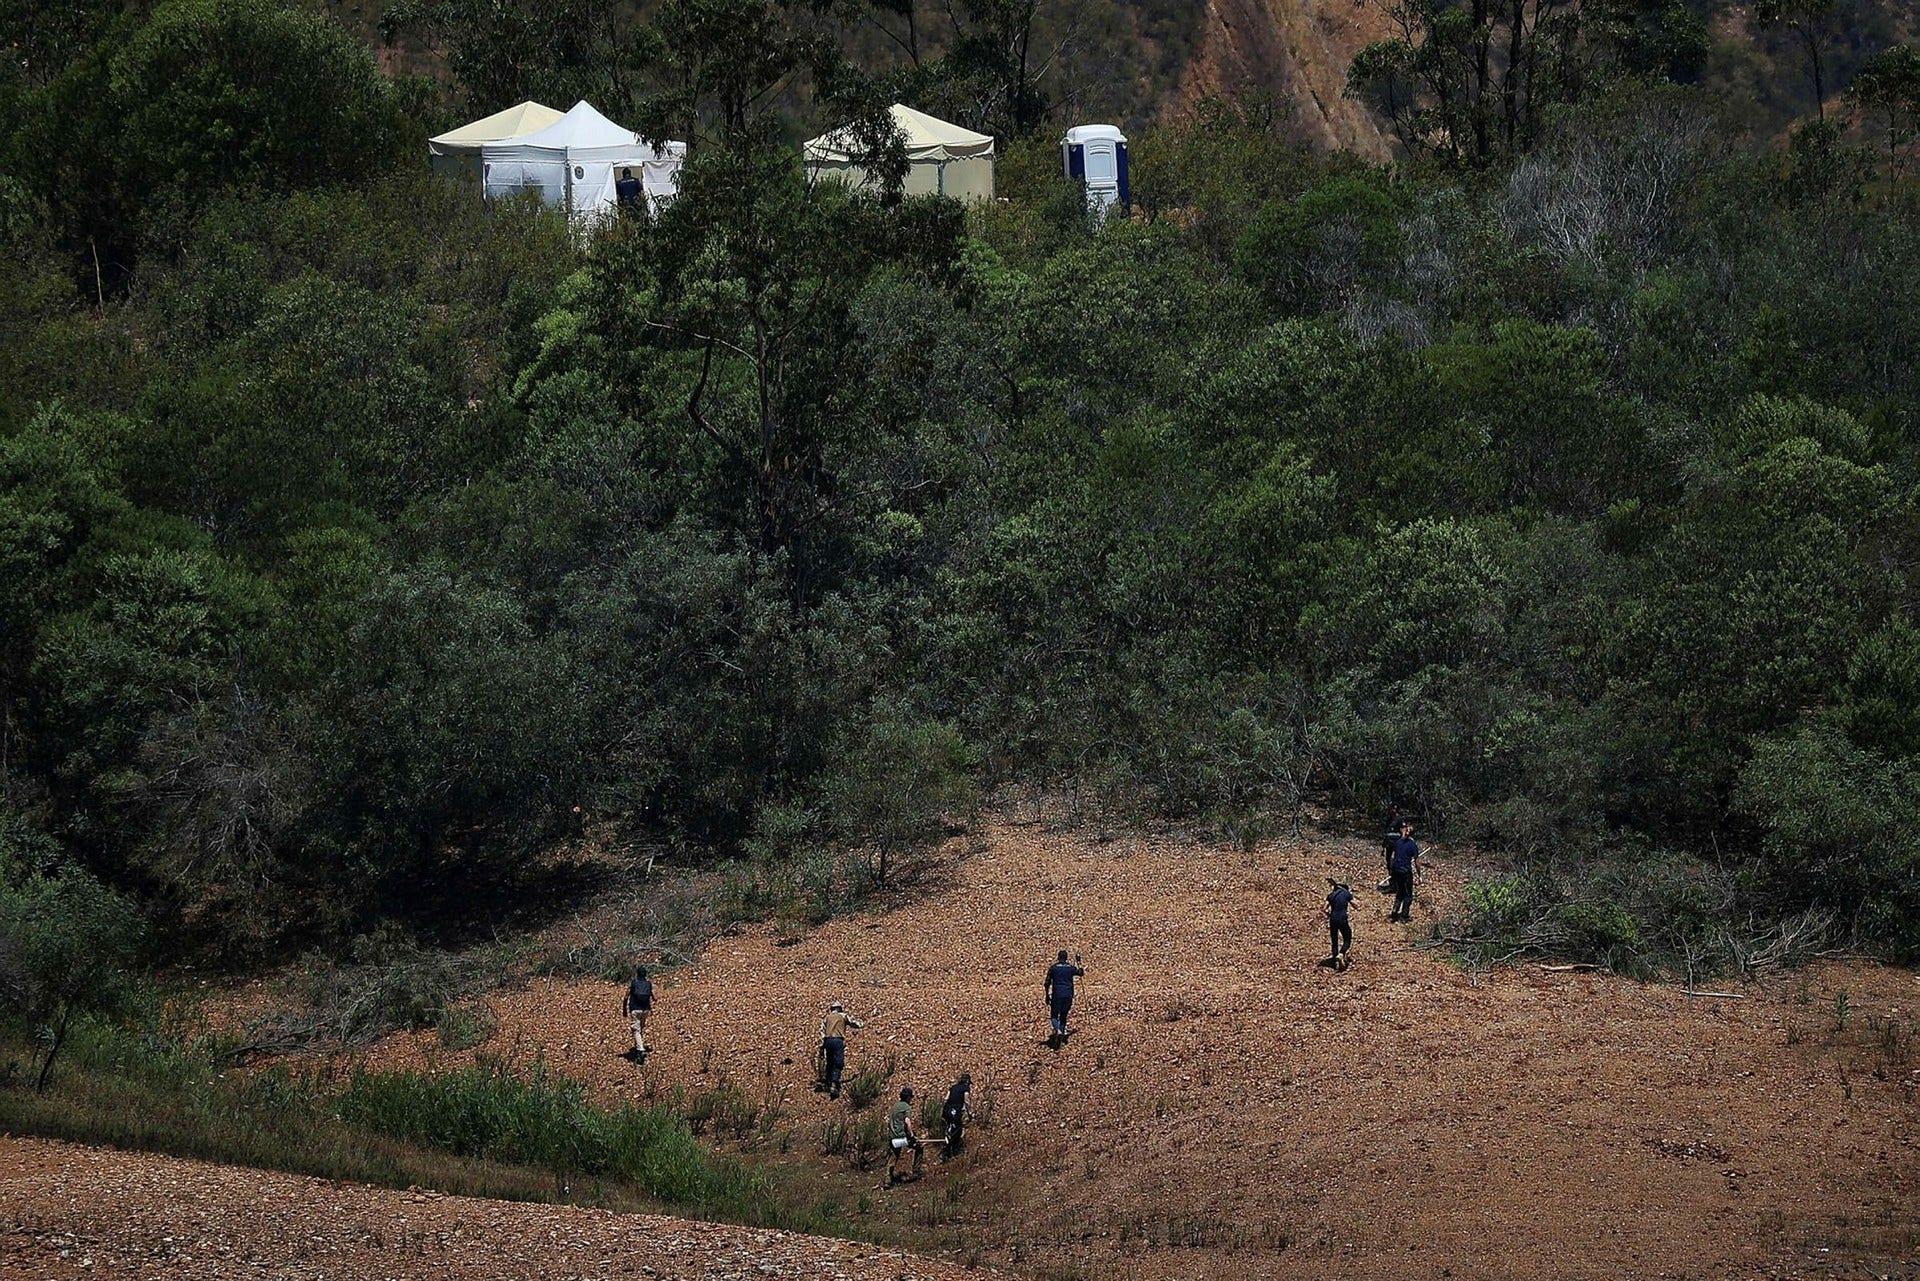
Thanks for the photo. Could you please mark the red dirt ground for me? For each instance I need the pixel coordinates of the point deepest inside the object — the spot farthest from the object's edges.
(1228, 1109)
(68, 1212)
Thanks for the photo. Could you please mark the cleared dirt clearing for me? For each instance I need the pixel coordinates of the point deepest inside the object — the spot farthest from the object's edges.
(1226, 1108)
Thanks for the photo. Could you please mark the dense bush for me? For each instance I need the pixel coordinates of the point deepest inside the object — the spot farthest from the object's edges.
(67, 944)
(359, 543)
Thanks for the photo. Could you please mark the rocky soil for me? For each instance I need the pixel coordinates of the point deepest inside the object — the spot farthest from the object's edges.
(69, 1212)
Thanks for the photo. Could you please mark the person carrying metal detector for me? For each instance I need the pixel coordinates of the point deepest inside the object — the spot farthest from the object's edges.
(1390, 842)
(830, 1059)
(1059, 989)
(1339, 930)
(902, 1137)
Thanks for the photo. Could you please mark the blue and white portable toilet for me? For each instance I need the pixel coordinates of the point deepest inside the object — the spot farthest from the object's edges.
(1097, 156)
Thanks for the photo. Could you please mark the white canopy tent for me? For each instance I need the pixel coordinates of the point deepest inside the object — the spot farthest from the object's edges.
(943, 158)
(575, 161)
(456, 153)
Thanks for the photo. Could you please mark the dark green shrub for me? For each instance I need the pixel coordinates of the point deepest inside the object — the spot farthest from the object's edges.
(67, 944)
(1598, 930)
(863, 1089)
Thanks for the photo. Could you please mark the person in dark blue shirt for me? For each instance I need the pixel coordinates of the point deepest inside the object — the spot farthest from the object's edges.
(627, 190)
(1060, 977)
(1339, 929)
(1400, 869)
(637, 1006)
(1390, 837)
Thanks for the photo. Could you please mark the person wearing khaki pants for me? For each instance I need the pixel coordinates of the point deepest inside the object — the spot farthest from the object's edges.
(638, 1004)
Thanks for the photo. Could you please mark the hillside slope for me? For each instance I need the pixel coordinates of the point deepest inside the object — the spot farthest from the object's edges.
(1228, 1109)
(1297, 51)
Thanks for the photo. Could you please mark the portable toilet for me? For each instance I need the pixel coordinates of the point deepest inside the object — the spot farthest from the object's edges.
(1096, 155)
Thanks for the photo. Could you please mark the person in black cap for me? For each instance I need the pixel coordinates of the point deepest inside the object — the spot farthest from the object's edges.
(1400, 868)
(1339, 930)
(627, 190)
(1390, 840)
(833, 1047)
(1059, 987)
(637, 1005)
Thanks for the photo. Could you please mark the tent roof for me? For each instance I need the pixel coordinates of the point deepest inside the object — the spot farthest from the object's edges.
(580, 127)
(927, 138)
(525, 118)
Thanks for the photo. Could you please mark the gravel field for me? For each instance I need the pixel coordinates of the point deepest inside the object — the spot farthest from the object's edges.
(68, 1211)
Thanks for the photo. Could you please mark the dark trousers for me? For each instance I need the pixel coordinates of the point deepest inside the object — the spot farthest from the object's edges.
(1402, 893)
(1060, 1005)
(836, 1059)
(1339, 935)
(956, 1129)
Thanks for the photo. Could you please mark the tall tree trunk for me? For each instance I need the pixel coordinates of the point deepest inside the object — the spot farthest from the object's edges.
(1510, 82)
(1817, 66)
(59, 1029)
(1482, 79)
(1021, 123)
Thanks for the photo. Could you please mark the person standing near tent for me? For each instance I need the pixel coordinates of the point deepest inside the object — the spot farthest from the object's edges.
(833, 1047)
(900, 1134)
(956, 1112)
(1339, 929)
(1401, 867)
(1059, 990)
(628, 192)
(637, 1005)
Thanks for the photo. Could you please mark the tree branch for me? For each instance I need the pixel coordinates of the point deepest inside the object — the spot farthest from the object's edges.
(699, 416)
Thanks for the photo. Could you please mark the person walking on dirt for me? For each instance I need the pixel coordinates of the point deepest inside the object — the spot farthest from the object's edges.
(1059, 987)
(1390, 842)
(833, 1047)
(901, 1135)
(1339, 930)
(956, 1112)
(637, 1005)
(1401, 868)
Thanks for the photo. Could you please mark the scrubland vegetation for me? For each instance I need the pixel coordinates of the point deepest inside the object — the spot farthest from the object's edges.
(361, 546)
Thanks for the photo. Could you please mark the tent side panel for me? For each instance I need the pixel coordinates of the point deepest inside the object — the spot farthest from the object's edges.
(660, 179)
(923, 178)
(461, 166)
(509, 176)
(837, 171)
(970, 181)
(965, 180)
